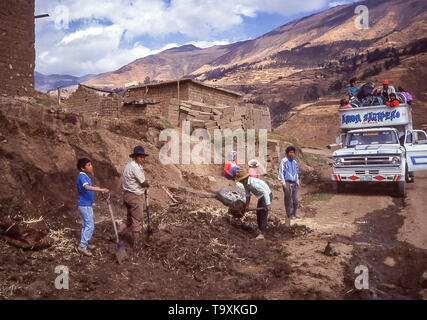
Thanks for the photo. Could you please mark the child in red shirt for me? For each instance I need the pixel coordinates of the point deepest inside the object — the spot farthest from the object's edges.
(231, 166)
(393, 102)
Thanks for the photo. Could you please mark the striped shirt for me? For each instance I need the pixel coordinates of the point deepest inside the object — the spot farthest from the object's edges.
(288, 171)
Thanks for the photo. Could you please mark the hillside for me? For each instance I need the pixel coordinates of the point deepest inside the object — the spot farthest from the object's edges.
(302, 60)
(316, 56)
(169, 64)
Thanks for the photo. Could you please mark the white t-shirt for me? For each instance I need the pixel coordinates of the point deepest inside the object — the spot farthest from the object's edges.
(133, 177)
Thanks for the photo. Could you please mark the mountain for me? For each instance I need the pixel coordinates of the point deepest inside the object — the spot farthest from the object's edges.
(316, 56)
(388, 18)
(169, 64)
(46, 83)
(303, 60)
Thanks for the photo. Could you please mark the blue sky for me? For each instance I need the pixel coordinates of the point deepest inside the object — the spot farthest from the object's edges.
(94, 36)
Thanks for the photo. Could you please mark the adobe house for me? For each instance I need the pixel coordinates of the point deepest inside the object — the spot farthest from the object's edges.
(182, 89)
(204, 106)
(89, 100)
(17, 53)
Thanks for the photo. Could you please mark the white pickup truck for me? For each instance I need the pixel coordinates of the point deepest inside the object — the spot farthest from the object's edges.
(379, 145)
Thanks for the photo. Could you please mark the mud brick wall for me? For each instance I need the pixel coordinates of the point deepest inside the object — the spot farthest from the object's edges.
(89, 101)
(17, 53)
(145, 110)
(257, 118)
(161, 93)
(211, 96)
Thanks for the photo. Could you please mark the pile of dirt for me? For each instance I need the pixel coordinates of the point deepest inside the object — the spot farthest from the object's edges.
(197, 251)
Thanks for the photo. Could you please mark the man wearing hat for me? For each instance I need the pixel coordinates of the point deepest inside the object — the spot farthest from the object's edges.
(263, 194)
(386, 90)
(134, 185)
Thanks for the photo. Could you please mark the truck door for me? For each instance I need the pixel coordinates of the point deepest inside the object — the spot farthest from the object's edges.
(416, 150)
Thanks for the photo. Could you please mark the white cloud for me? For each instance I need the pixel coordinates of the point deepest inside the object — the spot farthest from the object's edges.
(340, 3)
(106, 29)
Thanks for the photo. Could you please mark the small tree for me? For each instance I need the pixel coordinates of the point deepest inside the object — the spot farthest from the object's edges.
(147, 80)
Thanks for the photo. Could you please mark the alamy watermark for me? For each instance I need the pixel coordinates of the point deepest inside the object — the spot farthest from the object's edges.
(362, 280)
(362, 20)
(62, 17)
(62, 281)
(196, 148)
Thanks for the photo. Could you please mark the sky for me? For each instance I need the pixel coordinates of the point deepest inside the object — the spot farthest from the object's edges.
(93, 36)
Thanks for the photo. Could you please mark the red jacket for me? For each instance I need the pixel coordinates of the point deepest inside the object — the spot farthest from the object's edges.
(229, 165)
(393, 103)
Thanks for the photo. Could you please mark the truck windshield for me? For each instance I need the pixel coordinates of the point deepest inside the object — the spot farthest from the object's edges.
(371, 137)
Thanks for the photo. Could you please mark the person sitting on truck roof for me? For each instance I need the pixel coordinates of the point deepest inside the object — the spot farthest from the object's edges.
(344, 104)
(386, 90)
(352, 90)
(406, 94)
(368, 95)
(393, 102)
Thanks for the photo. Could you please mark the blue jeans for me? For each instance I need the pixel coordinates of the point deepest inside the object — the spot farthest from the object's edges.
(87, 225)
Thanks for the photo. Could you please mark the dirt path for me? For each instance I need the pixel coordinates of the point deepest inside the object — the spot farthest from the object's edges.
(370, 228)
(414, 229)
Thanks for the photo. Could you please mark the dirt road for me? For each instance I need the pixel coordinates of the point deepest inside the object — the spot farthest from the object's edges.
(386, 234)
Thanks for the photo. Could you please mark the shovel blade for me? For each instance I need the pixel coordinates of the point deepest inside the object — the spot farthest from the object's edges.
(121, 254)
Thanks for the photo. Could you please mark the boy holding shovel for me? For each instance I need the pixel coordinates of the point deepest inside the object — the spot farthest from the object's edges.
(85, 188)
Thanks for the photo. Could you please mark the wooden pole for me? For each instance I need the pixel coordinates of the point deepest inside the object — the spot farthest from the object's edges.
(59, 95)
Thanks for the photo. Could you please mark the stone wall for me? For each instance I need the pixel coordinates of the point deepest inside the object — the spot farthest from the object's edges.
(17, 53)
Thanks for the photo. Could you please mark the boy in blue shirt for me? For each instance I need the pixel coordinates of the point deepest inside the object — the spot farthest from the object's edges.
(352, 90)
(85, 188)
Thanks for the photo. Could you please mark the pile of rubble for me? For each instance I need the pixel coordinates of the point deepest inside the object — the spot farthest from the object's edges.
(218, 116)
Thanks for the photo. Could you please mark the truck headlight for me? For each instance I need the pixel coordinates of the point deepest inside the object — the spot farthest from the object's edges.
(395, 160)
(338, 162)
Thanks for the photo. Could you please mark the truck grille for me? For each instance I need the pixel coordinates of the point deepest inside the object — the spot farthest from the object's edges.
(364, 161)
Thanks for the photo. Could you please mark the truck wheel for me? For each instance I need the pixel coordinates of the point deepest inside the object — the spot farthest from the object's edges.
(401, 189)
(340, 187)
(409, 176)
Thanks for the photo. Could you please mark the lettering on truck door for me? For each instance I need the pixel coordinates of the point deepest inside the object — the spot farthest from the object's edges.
(416, 150)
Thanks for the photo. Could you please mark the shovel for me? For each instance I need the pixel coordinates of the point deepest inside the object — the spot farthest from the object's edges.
(149, 229)
(121, 254)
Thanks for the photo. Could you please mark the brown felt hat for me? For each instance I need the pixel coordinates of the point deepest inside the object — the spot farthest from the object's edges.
(241, 175)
